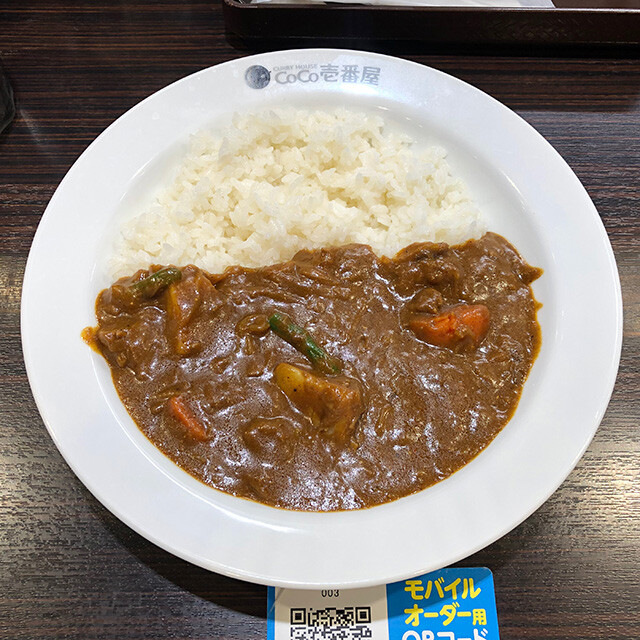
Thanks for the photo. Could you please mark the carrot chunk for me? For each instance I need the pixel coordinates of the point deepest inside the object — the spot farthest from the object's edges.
(179, 410)
(459, 325)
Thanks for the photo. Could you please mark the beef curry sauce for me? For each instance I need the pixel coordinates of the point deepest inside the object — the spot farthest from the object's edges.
(337, 380)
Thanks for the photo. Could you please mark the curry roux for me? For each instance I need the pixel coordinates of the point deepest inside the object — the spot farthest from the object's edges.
(423, 410)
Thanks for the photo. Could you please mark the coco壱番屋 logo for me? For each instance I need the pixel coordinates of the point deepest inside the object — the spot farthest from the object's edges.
(257, 76)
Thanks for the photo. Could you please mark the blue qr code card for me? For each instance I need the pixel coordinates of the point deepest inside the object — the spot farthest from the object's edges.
(449, 604)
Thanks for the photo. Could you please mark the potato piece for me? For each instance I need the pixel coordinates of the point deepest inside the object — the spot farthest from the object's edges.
(333, 405)
(183, 300)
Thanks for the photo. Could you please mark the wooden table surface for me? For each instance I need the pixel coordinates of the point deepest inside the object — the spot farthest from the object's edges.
(70, 569)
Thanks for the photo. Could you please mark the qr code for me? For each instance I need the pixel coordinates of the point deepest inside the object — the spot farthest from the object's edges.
(332, 623)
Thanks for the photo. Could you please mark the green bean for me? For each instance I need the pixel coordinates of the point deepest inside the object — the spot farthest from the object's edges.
(156, 282)
(301, 339)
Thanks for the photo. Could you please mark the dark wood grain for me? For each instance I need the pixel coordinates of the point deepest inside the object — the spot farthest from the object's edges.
(68, 568)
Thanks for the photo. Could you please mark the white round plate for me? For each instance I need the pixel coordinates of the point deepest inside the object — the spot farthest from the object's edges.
(526, 192)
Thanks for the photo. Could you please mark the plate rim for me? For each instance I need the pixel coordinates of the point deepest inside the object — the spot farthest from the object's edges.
(268, 579)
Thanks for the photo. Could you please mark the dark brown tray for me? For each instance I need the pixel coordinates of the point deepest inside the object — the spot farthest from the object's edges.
(269, 25)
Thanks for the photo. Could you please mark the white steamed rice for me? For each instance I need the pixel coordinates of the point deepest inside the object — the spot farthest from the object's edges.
(286, 180)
